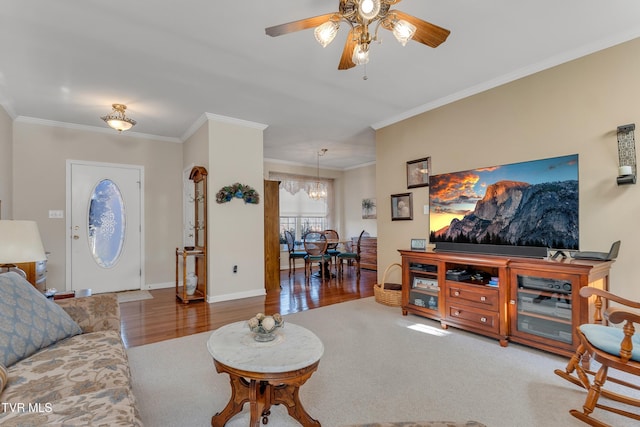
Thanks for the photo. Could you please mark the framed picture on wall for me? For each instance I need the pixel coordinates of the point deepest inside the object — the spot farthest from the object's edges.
(401, 206)
(369, 209)
(418, 172)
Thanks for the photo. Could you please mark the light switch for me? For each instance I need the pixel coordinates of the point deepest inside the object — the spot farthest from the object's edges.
(425, 209)
(56, 214)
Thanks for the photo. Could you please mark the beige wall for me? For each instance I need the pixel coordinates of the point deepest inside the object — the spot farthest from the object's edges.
(236, 229)
(572, 108)
(195, 149)
(359, 183)
(39, 178)
(6, 165)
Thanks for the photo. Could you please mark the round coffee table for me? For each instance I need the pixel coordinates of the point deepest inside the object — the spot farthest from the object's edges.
(265, 373)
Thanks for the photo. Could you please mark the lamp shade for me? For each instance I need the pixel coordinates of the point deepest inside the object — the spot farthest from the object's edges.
(20, 242)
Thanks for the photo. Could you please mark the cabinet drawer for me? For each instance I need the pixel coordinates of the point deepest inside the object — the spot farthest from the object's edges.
(473, 317)
(475, 296)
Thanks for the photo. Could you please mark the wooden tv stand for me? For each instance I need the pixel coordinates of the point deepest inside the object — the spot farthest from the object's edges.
(525, 300)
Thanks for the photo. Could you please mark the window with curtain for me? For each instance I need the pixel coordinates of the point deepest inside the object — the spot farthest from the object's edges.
(299, 213)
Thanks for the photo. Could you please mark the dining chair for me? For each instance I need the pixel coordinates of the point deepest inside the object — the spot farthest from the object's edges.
(351, 257)
(614, 348)
(293, 254)
(333, 240)
(315, 243)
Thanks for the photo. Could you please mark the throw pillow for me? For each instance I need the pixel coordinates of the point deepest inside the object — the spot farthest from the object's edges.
(3, 377)
(28, 320)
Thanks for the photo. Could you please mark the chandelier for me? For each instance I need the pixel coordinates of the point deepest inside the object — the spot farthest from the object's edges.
(318, 191)
(117, 120)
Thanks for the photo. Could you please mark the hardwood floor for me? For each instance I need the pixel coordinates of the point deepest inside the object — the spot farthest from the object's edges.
(164, 317)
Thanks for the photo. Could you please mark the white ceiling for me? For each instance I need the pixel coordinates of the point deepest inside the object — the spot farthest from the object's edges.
(172, 61)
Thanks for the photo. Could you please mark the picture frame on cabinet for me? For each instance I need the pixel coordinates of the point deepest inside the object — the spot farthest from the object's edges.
(418, 172)
(418, 244)
(402, 206)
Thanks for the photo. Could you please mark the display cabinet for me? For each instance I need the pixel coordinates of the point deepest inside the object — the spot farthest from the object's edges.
(423, 290)
(525, 300)
(191, 262)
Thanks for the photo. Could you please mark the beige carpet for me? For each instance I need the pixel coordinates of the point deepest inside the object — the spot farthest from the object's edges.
(378, 367)
(129, 296)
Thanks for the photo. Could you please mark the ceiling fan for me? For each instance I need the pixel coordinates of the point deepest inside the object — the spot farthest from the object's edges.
(359, 14)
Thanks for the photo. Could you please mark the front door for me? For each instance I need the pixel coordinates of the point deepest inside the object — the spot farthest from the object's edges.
(104, 251)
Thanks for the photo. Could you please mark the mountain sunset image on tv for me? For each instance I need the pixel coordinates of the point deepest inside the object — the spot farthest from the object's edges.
(530, 204)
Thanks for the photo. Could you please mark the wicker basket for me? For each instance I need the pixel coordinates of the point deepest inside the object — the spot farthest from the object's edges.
(388, 293)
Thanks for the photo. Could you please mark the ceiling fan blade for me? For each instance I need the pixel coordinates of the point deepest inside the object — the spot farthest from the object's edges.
(302, 24)
(347, 53)
(426, 33)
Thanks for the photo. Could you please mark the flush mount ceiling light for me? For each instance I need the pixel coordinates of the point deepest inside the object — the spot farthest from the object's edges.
(360, 14)
(117, 120)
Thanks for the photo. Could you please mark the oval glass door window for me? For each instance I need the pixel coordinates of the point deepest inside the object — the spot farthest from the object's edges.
(106, 224)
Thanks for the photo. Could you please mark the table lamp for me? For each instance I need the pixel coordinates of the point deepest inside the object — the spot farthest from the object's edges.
(19, 242)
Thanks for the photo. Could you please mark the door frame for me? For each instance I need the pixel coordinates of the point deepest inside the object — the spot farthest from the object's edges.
(68, 208)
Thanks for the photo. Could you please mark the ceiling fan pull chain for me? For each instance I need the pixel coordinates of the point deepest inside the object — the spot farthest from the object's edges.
(364, 77)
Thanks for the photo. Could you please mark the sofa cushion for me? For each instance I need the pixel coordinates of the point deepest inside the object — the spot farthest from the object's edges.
(3, 377)
(28, 320)
(95, 313)
(81, 364)
(110, 407)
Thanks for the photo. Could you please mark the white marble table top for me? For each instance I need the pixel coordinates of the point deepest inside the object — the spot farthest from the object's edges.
(294, 348)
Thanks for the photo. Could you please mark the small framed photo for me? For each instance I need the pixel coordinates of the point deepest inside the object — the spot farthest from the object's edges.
(401, 206)
(418, 244)
(418, 172)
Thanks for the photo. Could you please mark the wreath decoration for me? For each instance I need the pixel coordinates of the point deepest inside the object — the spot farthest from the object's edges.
(238, 191)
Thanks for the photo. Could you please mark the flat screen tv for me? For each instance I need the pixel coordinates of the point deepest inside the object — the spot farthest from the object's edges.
(520, 209)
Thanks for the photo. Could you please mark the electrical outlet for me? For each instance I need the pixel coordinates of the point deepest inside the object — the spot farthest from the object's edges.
(56, 214)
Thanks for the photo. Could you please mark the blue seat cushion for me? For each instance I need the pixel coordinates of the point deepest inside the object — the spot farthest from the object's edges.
(348, 255)
(333, 252)
(325, 257)
(297, 254)
(608, 339)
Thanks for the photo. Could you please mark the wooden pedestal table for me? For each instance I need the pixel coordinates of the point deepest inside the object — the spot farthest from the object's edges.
(265, 373)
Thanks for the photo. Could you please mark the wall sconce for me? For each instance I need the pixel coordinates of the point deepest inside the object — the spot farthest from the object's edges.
(626, 155)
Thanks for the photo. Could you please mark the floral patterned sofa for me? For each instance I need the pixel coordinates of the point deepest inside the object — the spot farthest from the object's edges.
(80, 379)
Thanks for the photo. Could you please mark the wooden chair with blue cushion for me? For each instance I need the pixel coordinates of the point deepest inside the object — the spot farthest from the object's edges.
(613, 348)
(351, 257)
(315, 243)
(332, 248)
(293, 254)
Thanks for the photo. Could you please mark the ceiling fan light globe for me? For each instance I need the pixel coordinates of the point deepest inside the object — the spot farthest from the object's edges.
(360, 55)
(403, 31)
(326, 32)
(369, 9)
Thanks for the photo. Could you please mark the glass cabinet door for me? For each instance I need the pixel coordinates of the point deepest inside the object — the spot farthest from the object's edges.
(423, 281)
(544, 307)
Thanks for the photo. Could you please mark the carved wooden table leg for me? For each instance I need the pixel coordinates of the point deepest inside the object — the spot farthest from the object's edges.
(239, 396)
(288, 396)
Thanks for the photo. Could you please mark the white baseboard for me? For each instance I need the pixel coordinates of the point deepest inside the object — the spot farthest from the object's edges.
(153, 286)
(210, 299)
(237, 295)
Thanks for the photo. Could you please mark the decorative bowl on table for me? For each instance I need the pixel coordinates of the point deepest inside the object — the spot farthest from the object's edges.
(264, 327)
